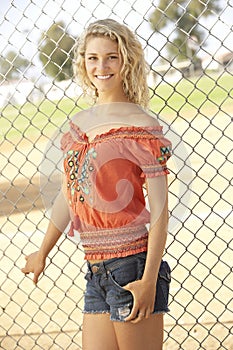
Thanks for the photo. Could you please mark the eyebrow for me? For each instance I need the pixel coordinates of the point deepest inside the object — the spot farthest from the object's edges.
(109, 53)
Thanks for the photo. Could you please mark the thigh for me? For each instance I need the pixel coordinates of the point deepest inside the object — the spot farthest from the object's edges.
(98, 333)
(147, 334)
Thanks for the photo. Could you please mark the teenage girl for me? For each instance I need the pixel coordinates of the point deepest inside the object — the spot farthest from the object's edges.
(113, 151)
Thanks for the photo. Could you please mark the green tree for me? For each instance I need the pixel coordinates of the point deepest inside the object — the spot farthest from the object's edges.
(185, 14)
(56, 52)
(12, 65)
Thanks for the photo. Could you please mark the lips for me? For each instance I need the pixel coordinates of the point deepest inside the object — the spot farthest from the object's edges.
(104, 77)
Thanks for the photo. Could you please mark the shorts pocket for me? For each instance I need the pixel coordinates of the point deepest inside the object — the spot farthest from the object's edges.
(126, 273)
(114, 282)
(164, 279)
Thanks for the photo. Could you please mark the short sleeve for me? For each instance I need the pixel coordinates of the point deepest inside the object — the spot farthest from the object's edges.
(150, 153)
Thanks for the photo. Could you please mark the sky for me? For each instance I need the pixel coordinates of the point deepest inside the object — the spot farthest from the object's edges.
(23, 21)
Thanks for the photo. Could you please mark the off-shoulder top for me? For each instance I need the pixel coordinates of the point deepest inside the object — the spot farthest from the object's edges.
(105, 180)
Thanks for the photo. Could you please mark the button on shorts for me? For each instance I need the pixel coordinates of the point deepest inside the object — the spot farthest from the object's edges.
(104, 292)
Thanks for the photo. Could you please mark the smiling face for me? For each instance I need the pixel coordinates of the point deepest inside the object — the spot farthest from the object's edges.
(103, 64)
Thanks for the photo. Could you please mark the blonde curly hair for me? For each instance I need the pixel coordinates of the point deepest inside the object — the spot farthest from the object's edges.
(134, 67)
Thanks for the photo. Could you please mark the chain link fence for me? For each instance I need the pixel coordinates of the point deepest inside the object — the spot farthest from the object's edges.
(194, 104)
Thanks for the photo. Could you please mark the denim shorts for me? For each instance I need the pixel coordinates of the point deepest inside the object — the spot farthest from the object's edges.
(104, 292)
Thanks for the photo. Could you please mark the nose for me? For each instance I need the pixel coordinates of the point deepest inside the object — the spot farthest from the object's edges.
(102, 64)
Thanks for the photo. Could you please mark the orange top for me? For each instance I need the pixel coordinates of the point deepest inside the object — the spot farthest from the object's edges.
(105, 180)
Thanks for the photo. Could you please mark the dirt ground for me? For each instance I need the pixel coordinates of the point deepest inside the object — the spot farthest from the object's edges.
(199, 250)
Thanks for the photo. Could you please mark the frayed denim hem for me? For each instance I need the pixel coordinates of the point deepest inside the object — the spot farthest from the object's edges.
(96, 312)
(162, 312)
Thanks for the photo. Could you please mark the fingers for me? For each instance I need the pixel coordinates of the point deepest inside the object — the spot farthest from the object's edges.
(24, 270)
(28, 269)
(133, 315)
(37, 274)
(34, 265)
(148, 313)
(139, 316)
(36, 277)
(143, 306)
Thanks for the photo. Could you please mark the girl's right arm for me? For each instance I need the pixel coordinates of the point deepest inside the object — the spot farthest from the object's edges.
(35, 262)
(60, 218)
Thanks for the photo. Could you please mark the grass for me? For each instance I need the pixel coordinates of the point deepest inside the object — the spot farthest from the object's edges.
(31, 120)
(200, 93)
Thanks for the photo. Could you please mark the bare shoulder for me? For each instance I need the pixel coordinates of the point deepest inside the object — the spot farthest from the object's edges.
(145, 118)
(81, 118)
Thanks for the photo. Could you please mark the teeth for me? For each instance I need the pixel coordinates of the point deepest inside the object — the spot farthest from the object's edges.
(104, 76)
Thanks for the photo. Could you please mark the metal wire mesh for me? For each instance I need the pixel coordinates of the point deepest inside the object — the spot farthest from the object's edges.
(195, 107)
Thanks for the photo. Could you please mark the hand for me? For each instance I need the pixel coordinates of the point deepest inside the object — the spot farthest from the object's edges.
(34, 264)
(144, 298)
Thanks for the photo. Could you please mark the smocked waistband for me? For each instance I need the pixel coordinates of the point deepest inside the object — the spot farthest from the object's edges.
(134, 230)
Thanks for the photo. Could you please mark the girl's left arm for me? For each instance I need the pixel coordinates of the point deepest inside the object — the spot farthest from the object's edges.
(144, 290)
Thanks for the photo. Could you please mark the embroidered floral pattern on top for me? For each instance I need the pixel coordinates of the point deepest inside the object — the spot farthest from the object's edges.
(165, 153)
(87, 167)
(72, 171)
(76, 182)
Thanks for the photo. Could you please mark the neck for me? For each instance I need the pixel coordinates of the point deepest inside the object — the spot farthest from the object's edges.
(108, 98)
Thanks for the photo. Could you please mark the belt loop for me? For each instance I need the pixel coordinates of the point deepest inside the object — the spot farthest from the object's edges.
(89, 269)
(105, 270)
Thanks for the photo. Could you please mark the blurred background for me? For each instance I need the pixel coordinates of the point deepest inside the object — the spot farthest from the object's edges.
(188, 45)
